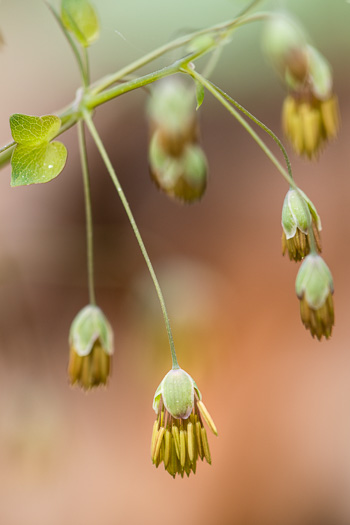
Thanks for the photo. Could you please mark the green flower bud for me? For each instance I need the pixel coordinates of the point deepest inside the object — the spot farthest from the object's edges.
(183, 177)
(172, 110)
(314, 288)
(179, 437)
(91, 347)
(298, 214)
(284, 42)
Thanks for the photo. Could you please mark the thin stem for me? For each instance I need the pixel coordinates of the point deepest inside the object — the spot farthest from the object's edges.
(10, 145)
(88, 212)
(260, 124)
(87, 65)
(71, 43)
(218, 94)
(179, 42)
(125, 203)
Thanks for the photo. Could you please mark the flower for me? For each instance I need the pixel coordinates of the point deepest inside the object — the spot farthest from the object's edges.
(310, 114)
(91, 347)
(298, 214)
(314, 288)
(183, 177)
(179, 437)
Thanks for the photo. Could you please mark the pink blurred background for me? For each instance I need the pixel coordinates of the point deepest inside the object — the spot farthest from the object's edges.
(280, 400)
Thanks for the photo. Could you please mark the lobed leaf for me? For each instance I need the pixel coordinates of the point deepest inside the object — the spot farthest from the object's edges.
(32, 131)
(39, 164)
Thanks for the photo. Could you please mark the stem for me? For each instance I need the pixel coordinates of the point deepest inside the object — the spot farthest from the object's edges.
(125, 203)
(87, 65)
(88, 212)
(71, 42)
(10, 145)
(225, 101)
(260, 124)
(179, 42)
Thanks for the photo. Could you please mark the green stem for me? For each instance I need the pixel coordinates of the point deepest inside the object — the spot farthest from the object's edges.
(88, 212)
(111, 171)
(87, 65)
(225, 27)
(227, 102)
(260, 124)
(8, 146)
(71, 42)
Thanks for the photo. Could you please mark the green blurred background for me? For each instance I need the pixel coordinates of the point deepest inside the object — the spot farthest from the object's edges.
(281, 401)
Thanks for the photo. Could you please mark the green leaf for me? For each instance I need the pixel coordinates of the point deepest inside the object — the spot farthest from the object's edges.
(199, 94)
(33, 131)
(80, 18)
(34, 165)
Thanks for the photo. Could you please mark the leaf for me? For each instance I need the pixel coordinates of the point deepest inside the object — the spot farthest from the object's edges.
(80, 18)
(34, 165)
(35, 159)
(33, 131)
(199, 94)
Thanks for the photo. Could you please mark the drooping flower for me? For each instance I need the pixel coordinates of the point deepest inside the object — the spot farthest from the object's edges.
(314, 288)
(298, 214)
(177, 163)
(310, 116)
(91, 348)
(179, 437)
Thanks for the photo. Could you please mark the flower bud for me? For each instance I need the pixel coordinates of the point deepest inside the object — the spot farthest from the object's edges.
(179, 436)
(91, 347)
(314, 288)
(172, 111)
(183, 177)
(298, 214)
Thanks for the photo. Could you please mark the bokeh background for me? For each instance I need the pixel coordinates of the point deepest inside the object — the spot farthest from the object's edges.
(281, 401)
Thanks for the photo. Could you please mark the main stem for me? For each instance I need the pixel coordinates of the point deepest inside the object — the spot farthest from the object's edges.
(106, 160)
(88, 212)
(227, 102)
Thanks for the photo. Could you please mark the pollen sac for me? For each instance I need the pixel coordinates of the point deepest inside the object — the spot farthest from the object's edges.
(177, 163)
(299, 214)
(179, 437)
(91, 347)
(314, 288)
(310, 116)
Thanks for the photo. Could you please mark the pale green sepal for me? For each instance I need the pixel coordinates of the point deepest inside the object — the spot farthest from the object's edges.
(34, 165)
(90, 325)
(79, 17)
(281, 36)
(299, 210)
(157, 396)
(320, 73)
(178, 393)
(31, 130)
(313, 210)
(314, 281)
(288, 221)
(171, 105)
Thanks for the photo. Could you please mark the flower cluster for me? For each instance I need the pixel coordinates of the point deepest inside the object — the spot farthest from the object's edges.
(177, 163)
(179, 437)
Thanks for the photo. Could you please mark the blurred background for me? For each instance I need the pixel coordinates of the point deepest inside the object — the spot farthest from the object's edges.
(280, 400)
